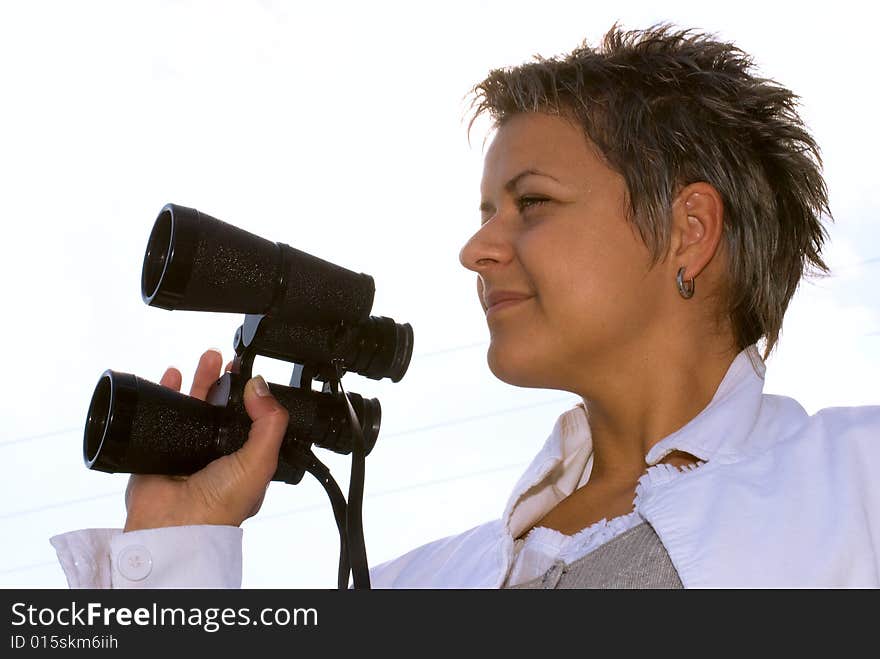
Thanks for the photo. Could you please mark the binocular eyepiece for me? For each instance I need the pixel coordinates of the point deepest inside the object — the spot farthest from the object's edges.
(298, 308)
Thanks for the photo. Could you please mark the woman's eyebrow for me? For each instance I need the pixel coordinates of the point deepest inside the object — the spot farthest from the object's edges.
(511, 184)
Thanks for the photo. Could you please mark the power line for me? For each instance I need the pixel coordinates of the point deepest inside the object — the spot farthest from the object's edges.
(444, 351)
(25, 568)
(443, 424)
(396, 490)
(29, 438)
(415, 357)
(311, 508)
(60, 504)
(854, 264)
(454, 422)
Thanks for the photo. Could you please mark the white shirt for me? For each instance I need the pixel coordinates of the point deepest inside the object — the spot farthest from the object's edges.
(784, 499)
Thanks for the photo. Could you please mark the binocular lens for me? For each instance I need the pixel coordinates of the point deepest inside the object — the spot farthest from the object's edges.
(156, 256)
(97, 422)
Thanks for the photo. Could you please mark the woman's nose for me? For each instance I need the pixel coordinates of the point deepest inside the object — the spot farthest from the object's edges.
(489, 245)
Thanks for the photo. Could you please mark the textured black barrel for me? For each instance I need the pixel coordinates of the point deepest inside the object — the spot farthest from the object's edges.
(300, 343)
(140, 427)
(196, 262)
(315, 290)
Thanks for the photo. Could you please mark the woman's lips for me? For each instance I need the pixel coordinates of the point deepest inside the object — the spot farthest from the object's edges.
(498, 306)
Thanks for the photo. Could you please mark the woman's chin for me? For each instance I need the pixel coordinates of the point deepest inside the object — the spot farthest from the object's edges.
(515, 369)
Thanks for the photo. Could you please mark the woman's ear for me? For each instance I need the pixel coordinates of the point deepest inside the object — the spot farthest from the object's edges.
(697, 226)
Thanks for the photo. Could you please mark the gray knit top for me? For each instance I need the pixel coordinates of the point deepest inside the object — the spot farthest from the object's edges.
(633, 559)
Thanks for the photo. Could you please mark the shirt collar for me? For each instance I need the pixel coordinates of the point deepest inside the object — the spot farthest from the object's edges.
(721, 428)
(716, 433)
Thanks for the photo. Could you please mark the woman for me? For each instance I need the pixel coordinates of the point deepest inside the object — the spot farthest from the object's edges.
(648, 209)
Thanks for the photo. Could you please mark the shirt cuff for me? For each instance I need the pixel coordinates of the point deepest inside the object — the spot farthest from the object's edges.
(203, 556)
(85, 556)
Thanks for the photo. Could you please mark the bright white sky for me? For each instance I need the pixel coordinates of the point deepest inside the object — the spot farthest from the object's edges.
(337, 128)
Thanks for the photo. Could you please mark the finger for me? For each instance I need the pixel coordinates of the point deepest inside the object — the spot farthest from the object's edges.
(259, 454)
(171, 379)
(228, 368)
(206, 374)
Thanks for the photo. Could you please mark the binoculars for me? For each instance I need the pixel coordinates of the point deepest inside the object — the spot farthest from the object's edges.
(298, 308)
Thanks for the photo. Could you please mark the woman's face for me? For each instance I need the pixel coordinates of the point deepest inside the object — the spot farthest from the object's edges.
(554, 230)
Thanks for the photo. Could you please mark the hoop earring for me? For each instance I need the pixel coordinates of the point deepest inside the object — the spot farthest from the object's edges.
(685, 288)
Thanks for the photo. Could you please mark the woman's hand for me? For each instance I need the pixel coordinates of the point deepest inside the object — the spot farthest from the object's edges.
(228, 490)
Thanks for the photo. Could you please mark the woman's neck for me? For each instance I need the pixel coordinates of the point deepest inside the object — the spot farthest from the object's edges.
(630, 415)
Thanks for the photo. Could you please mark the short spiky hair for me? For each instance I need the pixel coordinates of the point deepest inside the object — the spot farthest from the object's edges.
(672, 107)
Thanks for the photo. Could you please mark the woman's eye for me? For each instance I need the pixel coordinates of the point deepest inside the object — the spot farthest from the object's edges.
(530, 201)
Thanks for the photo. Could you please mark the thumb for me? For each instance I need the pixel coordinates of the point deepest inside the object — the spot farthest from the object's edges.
(269, 419)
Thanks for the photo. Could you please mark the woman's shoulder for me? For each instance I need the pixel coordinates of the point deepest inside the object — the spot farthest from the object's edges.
(784, 425)
(849, 421)
(844, 429)
(833, 444)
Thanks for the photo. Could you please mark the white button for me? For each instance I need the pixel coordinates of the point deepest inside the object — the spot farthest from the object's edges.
(135, 563)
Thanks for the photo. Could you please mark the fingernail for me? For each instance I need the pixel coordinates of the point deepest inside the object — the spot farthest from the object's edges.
(260, 386)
